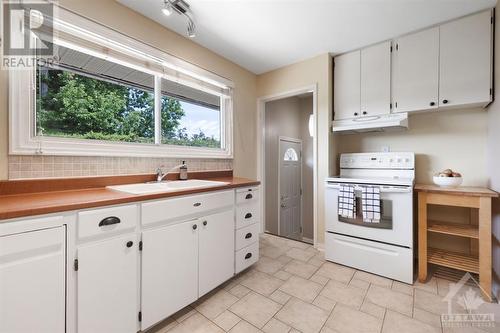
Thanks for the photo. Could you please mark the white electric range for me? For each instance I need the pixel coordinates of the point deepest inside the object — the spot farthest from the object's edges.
(384, 248)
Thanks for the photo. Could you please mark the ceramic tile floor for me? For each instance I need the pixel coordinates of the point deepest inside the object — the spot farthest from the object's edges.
(293, 289)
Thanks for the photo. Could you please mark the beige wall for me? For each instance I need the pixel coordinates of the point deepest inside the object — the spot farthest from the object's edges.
(314, 71)
(123, 19)
(453, 139)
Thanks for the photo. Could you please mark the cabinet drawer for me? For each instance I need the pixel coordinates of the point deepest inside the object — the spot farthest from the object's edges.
(246, 236)
(246, 195)
(106, 221)
(247, 257)
(247, 214)
(164, 210)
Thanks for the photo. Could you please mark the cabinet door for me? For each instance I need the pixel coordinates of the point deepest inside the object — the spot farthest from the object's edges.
(107, 286)
(465, 61)
(376, 79)
(32, 282)
(169, 270)
(346, 86)
(216, 254)
(415, 71)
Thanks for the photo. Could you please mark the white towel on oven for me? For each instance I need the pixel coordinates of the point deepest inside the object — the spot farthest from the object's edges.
(370, 200)
(347, 202)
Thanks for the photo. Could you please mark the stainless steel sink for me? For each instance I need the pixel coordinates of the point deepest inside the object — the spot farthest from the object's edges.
(168, 186)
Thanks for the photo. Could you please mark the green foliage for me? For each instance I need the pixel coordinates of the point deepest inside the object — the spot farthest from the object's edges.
(78, 106)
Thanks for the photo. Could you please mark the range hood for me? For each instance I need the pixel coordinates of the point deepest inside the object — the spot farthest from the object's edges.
(382, 123)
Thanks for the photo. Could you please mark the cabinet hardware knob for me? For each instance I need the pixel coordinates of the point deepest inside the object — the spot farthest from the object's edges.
(364, 112)
(355, 113)
(248, 215)
(205, 222)
(197, 204)
(109, 221)
(248, 256)
(445, 101)
(432, 103)
(249, 235)
(195, 226)
(130, 243)
(249, 196)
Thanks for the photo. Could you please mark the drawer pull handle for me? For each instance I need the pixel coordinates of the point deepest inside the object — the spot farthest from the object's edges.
(109, 221)
(130, 243)
(249, 196)
(248, 256)
(248, 215)
(197, 204)
(249, 235)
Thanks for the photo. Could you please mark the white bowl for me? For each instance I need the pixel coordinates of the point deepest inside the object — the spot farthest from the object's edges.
(447, 181)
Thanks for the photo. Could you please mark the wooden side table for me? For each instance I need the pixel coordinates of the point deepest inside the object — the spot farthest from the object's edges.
(478, 231)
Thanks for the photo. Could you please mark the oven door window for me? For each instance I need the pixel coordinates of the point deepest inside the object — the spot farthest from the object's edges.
(385, 214)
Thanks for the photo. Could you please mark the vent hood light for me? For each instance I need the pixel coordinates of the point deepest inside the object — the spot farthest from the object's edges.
(382, 123)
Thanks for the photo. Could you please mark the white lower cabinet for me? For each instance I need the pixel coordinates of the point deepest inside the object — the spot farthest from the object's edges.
(107, 284)
(169, 270)
(32, 281)
(216, 250)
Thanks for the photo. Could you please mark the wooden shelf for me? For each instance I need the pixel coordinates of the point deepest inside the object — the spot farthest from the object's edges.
(455, 229)
(455, 260)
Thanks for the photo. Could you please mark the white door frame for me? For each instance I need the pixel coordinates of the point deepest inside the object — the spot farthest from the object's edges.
(261, 149)
(280, 156)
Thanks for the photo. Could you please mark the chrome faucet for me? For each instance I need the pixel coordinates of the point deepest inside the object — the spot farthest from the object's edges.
(160, 175)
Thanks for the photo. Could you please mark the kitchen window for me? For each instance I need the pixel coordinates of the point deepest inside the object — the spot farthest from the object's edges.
(118, 97)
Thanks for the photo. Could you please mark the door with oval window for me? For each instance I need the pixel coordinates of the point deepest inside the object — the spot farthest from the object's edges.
(290, 188)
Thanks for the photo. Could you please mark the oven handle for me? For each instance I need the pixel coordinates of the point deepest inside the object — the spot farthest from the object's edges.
(383, 189)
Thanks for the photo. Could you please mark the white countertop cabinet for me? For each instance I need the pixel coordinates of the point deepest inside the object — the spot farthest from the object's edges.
(123, 268)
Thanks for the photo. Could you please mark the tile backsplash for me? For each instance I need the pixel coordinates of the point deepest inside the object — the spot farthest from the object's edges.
(82, 166)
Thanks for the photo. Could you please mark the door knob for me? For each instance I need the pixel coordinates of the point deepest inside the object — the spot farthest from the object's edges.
(130, 243)
(205, 222)
(445, 101)
(432, 103)
(195, 226)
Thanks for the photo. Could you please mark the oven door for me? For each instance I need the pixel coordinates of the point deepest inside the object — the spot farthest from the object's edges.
(395, 226)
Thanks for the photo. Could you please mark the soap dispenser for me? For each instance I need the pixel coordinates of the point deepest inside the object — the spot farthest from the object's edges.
(183, 171)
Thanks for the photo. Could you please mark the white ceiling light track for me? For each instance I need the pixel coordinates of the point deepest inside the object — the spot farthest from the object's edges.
(181, 7)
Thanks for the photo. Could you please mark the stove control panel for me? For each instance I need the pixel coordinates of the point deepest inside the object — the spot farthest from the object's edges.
(394, 160)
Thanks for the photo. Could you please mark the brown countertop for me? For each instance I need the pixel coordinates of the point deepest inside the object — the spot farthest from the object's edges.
(461, 190)
(29, 204)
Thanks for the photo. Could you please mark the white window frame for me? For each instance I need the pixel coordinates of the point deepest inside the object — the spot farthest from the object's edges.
(22, 99)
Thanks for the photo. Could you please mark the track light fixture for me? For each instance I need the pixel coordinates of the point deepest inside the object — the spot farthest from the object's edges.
(181, 7)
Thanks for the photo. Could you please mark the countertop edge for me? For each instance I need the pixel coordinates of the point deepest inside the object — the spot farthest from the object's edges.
(122, 198)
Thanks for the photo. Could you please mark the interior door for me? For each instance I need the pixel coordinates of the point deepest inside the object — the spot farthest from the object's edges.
(32, 281)
(169, 270)
(216, 250)
(416, 70)
(376, 79)
(107, 286)
(347, 85)
(290, 188)
(465, 60)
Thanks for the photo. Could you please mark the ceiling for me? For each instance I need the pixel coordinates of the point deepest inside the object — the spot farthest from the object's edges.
(262, 35)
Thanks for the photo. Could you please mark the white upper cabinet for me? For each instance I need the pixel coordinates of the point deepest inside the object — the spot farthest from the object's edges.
(376, 79)
(466, 61)
(415, 64)
(347, 85)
